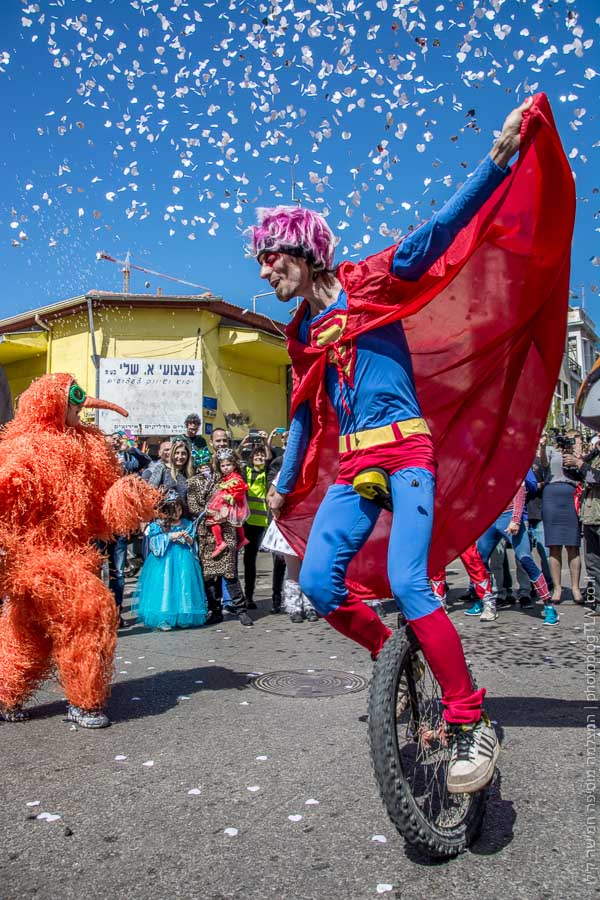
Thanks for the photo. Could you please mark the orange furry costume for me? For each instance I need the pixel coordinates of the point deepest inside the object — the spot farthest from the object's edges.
(60, 488)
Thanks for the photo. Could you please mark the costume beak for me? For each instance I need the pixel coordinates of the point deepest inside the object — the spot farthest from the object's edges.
(95, 403)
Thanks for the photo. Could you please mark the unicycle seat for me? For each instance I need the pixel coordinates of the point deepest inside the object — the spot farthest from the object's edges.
(374, 484)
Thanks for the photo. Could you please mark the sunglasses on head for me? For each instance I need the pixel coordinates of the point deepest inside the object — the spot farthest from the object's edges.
(77, 395)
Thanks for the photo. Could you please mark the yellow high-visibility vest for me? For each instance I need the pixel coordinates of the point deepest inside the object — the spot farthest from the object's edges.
(257, 496)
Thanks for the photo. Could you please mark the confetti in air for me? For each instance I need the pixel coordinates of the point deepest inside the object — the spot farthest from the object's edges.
(163, 124)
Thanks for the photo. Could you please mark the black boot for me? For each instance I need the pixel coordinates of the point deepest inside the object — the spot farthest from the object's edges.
(214, 602)
(238, 601)
(278, 578)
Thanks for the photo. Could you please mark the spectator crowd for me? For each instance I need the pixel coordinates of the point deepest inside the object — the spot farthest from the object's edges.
(198, 559)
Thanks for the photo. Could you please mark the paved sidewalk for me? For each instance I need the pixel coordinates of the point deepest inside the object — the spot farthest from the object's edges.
(206, 789)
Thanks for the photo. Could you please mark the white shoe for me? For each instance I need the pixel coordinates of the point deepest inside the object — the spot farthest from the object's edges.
(489, 613)
(475, 749)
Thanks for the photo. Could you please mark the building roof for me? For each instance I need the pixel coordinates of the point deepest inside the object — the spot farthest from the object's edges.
(29, 320)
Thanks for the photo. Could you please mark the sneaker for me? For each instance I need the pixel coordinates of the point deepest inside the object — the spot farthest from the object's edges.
(296, 617)
(14, 714)
(215, 618)
(509, 600)
(229, 608)
(549, 615)
(87, 718)
(489, 613)
(377, 606)
(275, 609)
(475, 749)
(312, 616)
(475, 610)
(164, 627)
(245, 618)
(525, 602)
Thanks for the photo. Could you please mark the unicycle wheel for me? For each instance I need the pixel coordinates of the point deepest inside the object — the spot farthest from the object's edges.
(410, 754)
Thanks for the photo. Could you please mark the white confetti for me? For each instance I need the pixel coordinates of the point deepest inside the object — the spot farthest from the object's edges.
(120, 758)
(48, 817)
(253, 788)
(149, 763)
(194, 792)
(384, 888)
(295, 818)
(231, 832)
(311, 802)
(262, 758)
(379, 838)
(33, 803)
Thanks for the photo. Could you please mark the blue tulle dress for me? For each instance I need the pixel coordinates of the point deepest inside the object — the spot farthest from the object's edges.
(170, 589)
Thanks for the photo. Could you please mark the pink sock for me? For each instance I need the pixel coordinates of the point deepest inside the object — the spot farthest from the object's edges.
(442, 648)
(356, 620)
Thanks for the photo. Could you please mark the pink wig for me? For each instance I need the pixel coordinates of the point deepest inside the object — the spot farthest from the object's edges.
(296, 231)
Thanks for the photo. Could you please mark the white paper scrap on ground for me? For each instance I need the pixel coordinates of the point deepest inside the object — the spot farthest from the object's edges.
(384, 888)
(379, 838)
(311, 802)
(48, 817)
(194, 791)
(149, 763)
(294, 818)
(120, 757)
(231, 832)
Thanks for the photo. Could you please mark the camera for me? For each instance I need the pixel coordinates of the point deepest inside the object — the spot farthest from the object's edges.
(562, 442)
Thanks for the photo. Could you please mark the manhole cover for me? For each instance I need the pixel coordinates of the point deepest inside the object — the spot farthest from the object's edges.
(309, 683)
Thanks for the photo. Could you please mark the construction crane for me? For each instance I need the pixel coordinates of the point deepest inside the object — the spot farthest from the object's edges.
(127, 266)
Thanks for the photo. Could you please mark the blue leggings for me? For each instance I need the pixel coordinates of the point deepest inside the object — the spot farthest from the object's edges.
(519, 542)
(343, 523)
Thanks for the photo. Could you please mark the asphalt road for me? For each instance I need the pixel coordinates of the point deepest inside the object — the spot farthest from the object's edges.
(205, 788)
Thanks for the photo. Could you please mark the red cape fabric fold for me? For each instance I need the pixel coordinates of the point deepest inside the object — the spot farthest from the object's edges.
(486, 330)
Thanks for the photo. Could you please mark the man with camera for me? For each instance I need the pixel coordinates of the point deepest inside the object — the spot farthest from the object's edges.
(588, 468)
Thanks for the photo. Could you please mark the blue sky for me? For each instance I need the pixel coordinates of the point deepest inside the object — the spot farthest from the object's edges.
(158, 126)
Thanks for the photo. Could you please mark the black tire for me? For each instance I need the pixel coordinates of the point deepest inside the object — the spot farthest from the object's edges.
(410, 775)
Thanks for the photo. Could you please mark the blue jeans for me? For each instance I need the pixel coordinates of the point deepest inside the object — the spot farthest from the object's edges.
(342, 525)
(519, 542)
(536, 536)
(117, 555)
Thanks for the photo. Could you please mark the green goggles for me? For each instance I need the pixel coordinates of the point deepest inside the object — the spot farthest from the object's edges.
(77, 395)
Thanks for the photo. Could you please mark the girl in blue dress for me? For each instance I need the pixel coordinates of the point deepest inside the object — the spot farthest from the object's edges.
(170, 590)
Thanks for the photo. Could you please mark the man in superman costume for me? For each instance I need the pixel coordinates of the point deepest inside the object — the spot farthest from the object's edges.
(419, 362)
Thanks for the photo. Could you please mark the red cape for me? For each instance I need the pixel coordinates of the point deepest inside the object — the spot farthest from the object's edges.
(486, 330)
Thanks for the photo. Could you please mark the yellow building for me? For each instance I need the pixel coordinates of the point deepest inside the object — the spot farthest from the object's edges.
(243, 354)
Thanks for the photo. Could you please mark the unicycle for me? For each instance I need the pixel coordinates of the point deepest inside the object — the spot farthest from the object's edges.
(410, 754)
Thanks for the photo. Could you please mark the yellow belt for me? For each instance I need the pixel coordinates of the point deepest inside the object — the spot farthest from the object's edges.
(373, 437)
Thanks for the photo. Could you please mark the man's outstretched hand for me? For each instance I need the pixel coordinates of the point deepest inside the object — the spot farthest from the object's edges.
(510, 137)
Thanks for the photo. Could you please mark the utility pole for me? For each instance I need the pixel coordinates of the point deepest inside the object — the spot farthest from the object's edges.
(126, 270)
